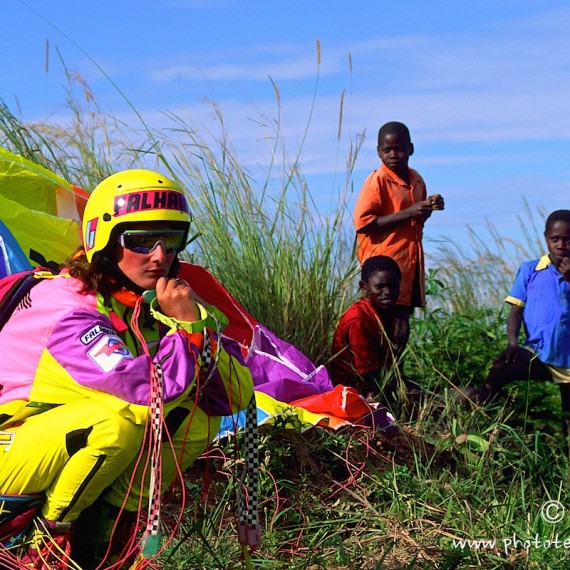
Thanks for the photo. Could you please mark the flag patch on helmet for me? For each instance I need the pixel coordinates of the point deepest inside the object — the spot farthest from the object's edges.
(90, 230)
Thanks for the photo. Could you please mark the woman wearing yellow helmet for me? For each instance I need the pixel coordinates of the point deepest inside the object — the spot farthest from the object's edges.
(102, 392)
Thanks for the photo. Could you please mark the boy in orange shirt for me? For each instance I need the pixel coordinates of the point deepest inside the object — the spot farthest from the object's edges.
(389, 217)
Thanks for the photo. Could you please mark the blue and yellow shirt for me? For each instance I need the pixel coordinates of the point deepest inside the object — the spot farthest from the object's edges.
(544, 294)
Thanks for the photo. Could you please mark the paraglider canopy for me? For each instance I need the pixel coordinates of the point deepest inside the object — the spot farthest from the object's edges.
(40, 215)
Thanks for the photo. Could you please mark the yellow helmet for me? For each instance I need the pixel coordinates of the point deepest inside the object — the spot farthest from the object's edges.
(128, 197)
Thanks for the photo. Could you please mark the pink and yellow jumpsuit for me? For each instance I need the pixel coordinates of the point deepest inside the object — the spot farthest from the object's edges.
(75, 397)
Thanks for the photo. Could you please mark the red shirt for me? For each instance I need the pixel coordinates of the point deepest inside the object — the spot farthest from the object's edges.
(361, 346)
(383, 193)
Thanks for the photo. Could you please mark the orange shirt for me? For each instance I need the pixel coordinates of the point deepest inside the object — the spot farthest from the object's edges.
(383, 193)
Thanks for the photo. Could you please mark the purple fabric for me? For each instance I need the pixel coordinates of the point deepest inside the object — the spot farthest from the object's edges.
(281, 371)
(84, 344)
(380, 418)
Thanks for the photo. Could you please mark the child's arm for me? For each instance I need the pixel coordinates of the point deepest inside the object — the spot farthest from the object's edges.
(420, 211)
(514, 322)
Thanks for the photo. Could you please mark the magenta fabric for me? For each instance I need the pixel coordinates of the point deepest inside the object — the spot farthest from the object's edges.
(282, 371)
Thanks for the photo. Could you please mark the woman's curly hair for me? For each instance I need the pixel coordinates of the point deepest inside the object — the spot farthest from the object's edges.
(92, 274)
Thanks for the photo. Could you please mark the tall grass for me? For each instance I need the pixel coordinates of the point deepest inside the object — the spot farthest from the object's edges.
(264, 240)
(353, 499)
(270, 247)
(84, 150)
(482, 273)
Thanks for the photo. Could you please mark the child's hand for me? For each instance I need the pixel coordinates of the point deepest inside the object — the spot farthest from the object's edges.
(564, 268)
(437, 202)
(509, 354)
(421, 210)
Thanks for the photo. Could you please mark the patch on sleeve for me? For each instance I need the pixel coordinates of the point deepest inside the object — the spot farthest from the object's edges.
(108, 351)
(89, 336)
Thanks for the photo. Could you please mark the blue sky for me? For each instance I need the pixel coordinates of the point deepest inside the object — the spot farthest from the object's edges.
(483, 85)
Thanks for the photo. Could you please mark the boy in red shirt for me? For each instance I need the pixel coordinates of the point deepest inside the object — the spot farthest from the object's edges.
(363, 345)
(389, 217)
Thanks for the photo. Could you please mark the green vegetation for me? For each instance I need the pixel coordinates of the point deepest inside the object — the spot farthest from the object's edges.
(349, 499)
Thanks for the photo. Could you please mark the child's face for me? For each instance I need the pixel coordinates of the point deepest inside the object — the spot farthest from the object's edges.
(558, 242)
(394, 152)
(382, 289)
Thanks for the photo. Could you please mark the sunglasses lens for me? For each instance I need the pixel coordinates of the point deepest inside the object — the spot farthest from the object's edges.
(146, 242)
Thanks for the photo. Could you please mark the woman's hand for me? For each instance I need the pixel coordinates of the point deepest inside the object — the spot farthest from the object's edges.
(177, 299)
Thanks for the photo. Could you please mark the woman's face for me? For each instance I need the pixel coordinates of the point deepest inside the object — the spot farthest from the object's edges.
(144, 269)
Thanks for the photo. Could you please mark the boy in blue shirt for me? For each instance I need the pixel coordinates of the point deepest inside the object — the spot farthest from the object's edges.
(540, 301)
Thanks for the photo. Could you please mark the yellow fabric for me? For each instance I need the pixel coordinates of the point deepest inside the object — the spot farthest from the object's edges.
(177, 456)
(543, 263)
(289, 416)
(514, 301)
(40, 209)
(17, 411)
(559, 375)
(31, 185)
(210, 317)
(53, 384)
(51, 237)
(38, 459)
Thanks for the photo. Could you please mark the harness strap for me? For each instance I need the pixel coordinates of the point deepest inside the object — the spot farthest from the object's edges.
(249, 533)
(150, 543)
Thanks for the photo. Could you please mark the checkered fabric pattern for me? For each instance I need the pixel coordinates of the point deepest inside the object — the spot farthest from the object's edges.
(248, 501)
(153, 524)
(206, 352)
(206, 368)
